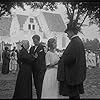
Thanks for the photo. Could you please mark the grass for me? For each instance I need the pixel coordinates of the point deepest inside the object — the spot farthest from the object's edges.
(91, 85)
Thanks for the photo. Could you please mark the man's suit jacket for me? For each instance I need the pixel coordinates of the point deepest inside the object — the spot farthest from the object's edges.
(39, 62)
(6, 57)
(72, 66)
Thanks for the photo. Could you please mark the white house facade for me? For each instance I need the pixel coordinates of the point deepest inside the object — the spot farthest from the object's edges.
(45, 24)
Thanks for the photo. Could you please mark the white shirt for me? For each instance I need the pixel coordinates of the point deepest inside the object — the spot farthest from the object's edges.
(35, 48)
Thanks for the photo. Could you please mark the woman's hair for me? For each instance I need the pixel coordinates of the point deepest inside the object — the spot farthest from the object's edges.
(24, 43)
(50, 42)
(36, 37)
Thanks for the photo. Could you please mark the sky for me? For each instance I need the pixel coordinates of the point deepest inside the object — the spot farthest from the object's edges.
(89, 32)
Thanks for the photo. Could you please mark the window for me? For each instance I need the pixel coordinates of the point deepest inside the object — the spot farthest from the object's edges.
(29, 26)
(31, 20)
(33, 27)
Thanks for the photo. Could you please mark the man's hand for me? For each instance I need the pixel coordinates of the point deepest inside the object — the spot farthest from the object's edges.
(36, 55)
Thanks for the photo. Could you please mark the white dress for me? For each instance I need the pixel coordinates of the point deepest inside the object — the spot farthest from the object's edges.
(50, 83)
(13, 63)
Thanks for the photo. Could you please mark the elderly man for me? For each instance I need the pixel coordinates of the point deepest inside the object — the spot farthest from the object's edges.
(6, 60)
(72, 65)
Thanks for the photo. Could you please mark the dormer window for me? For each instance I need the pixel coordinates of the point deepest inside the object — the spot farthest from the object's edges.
(31, 20)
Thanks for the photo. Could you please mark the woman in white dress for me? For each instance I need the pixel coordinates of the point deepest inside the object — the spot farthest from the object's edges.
(13, 62)
(50, 83)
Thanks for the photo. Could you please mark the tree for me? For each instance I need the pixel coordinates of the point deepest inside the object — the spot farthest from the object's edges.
(5, 7)
(77, 12)
(92, 45)
(95, 44)
(43, 5)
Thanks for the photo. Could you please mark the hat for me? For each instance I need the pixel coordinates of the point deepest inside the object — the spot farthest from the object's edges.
(72, 26)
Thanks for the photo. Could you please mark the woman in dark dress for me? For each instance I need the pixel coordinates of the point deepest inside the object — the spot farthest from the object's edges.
(23, 88)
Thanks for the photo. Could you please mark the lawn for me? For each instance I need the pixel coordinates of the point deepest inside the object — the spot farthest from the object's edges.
(91, 84)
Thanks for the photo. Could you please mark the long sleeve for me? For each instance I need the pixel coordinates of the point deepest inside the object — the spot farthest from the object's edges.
(25, 57)
(7, 55)
(69, 54)
(31, 50)
(39, 62)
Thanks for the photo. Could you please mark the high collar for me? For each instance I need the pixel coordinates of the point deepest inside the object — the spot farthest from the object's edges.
(74, 36)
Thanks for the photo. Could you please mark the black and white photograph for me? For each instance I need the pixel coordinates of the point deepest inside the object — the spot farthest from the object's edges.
(50, 49)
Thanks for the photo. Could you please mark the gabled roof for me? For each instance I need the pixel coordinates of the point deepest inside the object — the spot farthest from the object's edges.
(54, 22)
(40, 29)
(21, 20)
(5, 24)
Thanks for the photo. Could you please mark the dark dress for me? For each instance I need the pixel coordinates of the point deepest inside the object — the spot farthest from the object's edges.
(39, 68)
(23, 88)
(72, 69)
(6, 60)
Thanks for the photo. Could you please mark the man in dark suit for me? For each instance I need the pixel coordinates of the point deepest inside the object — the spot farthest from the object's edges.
(6, 60)
(72, 65)
(39, 65)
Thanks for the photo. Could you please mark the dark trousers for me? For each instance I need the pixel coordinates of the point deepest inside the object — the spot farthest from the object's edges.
(71, 91)
(74, 97)
(38, 81)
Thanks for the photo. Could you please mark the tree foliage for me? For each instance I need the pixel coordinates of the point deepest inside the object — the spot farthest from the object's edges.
(5, 7)
(92, 45)
(76, 11)
(43, 5)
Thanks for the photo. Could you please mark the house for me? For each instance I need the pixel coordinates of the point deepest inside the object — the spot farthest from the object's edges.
(2, 46)
(5, 25)
(23, 27)
(53, 26)
(5, 40)
(45, 24)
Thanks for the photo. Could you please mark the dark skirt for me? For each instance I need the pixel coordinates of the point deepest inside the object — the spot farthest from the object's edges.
(5, 68)
(23, 88)
(68, 90)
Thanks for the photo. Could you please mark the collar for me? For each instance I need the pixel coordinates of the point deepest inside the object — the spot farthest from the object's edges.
(74, 36)
(35, 48)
